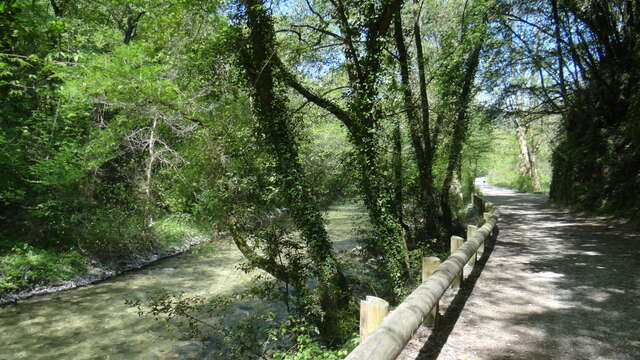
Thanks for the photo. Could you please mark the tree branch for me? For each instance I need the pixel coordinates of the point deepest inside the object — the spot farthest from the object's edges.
(322, 95)
(320, 30)
(319, 100)
(314, 12)
(350, 49)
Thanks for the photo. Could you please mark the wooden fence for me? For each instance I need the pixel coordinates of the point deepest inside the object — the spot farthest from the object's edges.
(384, 336)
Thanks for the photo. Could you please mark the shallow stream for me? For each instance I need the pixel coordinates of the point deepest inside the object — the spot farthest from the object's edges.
(95, 323)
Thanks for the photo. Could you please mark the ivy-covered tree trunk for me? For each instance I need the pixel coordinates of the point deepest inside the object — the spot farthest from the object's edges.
(270, 109)
(398, 182)
(389, 243)
(418, 130)
(362, 119)
(459, 134)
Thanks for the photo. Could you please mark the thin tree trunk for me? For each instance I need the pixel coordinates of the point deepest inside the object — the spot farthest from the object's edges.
(527, 164)
(458, 136)
(398, 200)
(149, 171)
(430, 206)
(556, 20)
(420, 142)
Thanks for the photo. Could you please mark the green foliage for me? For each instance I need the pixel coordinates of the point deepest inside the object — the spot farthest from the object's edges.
(328, 159)
(232, 333)
(306, 348)
(502, 163)
(79, 107)
(25, 266)
(127, 126)
(172, 230)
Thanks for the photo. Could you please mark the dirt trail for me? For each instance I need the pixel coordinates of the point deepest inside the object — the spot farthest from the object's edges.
(555, 286)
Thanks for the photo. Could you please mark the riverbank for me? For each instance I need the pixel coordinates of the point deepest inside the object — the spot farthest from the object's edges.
(86, 271)
(95, 321)
(97, 273)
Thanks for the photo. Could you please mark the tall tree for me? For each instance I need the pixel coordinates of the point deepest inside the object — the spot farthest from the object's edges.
(362, 39)
(419, 129)
(459, 131)
(275, 123)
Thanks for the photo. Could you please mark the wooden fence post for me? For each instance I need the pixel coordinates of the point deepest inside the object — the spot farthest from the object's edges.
(471, 230)
(429, 265)
(372, 312)
(478, 203)
(486, 216)
(456, 243)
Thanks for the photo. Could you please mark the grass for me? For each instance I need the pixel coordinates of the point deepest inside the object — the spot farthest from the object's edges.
(171, 231)
(25, 266)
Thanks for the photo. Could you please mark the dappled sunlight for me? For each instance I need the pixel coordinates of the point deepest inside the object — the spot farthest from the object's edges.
(556, 286)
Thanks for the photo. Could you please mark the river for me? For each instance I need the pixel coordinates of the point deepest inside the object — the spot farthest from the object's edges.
(94, 322)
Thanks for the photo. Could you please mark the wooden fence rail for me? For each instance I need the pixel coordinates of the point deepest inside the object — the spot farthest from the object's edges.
(397, 328)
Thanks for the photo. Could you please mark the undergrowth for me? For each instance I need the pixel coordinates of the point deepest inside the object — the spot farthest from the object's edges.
(24, 266)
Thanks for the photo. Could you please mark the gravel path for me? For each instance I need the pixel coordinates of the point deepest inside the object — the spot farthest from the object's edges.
(555, 286)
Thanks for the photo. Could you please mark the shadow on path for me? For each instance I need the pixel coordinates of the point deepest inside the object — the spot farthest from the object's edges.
(557, 286)
(447, 322)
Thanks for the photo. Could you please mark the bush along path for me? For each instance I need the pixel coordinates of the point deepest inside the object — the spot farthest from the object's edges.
(557, 286)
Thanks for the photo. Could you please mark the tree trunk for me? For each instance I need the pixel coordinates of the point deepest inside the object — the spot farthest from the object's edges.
(130, 29)
(362, 120)
(269, 106)
(398, 201)
(556, 20)
(419, 139)
(149, 172)
(527, 163)
(458, 136)
(389, 242)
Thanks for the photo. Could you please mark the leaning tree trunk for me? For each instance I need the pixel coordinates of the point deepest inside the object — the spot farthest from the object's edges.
(269, 107)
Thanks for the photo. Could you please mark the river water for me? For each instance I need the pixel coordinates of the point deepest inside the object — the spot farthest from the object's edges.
(95, 323)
